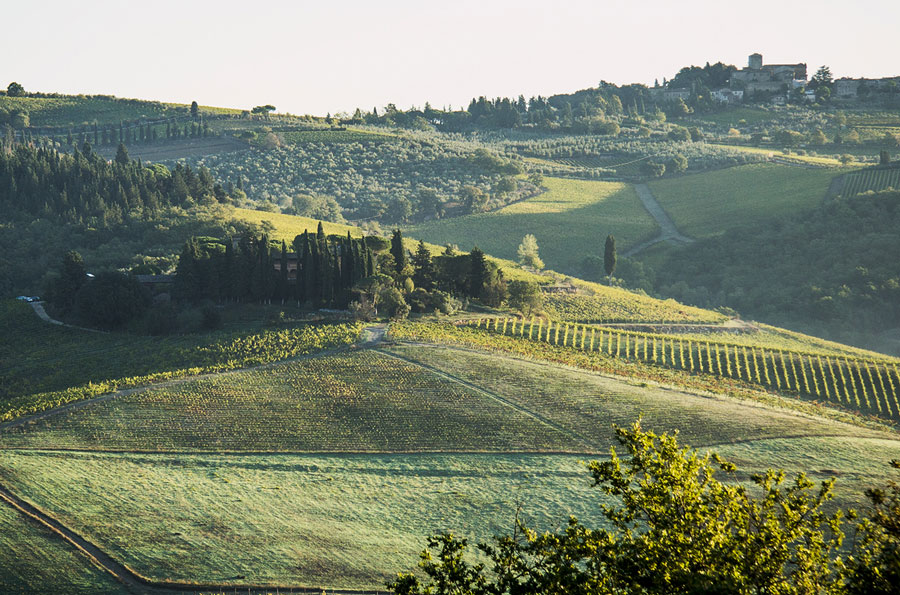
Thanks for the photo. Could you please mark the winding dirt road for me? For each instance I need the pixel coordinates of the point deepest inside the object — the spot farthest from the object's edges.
(668, 232)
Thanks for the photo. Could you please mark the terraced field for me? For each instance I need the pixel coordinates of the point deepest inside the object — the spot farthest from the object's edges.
(570, 221)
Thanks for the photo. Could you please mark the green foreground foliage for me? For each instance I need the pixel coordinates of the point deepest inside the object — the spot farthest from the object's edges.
(675, 527)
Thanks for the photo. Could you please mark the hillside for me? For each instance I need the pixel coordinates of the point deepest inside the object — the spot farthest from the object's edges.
(570, 220)
(455, 438)
(241, 436)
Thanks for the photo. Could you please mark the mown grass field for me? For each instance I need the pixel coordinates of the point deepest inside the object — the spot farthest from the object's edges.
(28, 550)
(287, 227)
(570, 221)
(709, 204)
(321, 521)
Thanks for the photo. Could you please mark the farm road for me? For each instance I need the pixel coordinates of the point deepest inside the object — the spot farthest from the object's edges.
(494, 396)
(668, 232)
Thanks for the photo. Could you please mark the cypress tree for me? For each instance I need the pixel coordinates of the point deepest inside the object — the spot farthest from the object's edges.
(283, 273)
(187, 279)
(424, 268)
(228, 271)
(370, 261)
(398, 252)
(609, 256)
(478, 272)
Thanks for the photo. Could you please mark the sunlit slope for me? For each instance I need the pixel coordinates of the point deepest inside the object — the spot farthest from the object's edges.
(708, 204)
(570, 221)
(410, 399)
(287, 227)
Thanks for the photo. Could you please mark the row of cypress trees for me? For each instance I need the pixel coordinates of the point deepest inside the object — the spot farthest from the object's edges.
(245, 270)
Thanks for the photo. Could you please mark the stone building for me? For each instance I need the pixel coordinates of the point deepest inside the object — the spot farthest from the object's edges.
(773, 78)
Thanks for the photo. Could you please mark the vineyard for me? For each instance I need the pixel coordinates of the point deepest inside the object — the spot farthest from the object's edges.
(362, 401)
(616, 305)
(869, 386)
(588, 404)
(56, 365)
(873, 179)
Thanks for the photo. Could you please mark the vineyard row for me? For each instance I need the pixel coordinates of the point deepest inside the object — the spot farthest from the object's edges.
(863, 385)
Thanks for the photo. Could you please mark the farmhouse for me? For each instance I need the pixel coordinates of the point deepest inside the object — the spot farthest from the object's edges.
(773, 78)
(727, 95)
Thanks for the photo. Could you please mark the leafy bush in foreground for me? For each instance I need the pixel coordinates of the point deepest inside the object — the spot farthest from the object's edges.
(674, 527)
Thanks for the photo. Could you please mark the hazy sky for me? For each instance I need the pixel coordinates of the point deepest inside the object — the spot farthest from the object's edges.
(318, 57)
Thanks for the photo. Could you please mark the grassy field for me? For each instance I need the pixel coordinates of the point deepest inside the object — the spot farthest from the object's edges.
(329, 521)
(709, 204)
(287, 227)
(570, 221)
(81, 109)
(346, 521)
(28, 550)
(352, 520)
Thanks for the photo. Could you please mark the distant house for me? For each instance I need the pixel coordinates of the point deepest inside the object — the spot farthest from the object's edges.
(560, 287)
(293, 263)
(850, 88)
(730, 96)
(159, 286)
(668, 95)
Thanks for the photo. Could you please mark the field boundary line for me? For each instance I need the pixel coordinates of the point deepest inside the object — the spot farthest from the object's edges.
(494, 396)
(135, 581)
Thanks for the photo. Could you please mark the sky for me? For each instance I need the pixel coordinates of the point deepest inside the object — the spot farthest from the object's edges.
(327, 57)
